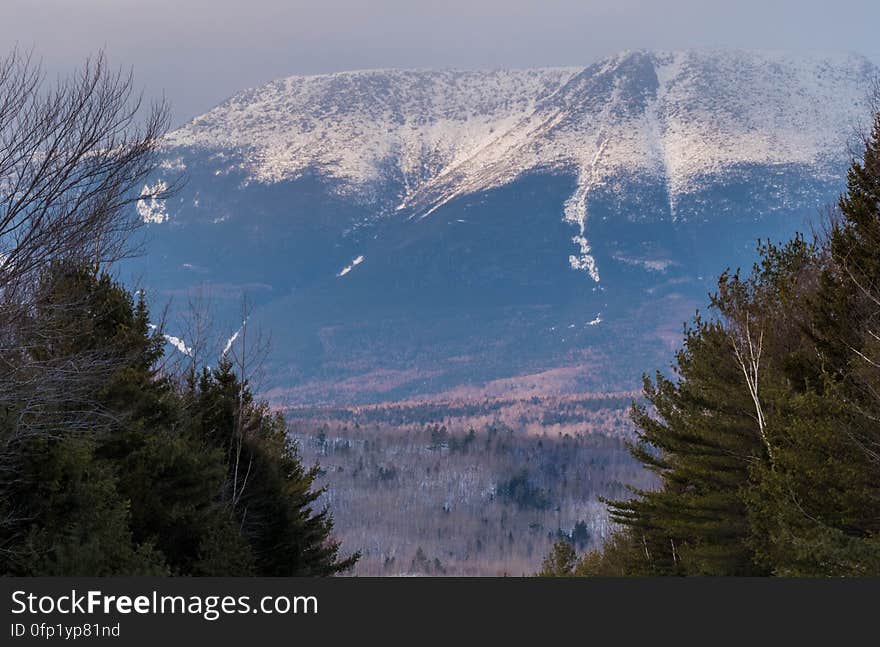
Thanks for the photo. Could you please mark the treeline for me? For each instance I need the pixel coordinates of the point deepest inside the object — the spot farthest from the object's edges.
(109, 463)
(553, 410)
(604, 413)
(767, 438)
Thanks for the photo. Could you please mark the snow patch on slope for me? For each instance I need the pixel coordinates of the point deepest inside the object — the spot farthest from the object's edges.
(348, 268)
(650, 264)
(233, 338)
(150, 206)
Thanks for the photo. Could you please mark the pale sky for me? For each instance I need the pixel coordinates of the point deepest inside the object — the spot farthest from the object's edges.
(199, 52)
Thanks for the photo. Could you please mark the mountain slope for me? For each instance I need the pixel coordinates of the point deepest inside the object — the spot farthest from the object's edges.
(406, 231)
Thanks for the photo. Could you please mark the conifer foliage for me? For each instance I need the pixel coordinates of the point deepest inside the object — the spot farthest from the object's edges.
(155, 477)
(766, 439)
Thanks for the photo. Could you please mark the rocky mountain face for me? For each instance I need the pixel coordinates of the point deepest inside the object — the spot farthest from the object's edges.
(404, 233)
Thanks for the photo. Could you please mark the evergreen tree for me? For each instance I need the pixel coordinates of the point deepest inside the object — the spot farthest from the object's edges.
(560, 562)
(699, 438)
(766, 441)
(69, 513)
(146, 477)
(818, 509)
(271, 493)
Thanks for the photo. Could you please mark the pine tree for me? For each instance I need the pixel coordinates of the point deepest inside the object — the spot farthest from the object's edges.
(270, 492)
(700, 440)
(766, 441)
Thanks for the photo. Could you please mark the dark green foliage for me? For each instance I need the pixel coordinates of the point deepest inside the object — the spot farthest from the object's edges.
(439, 436)
(767, 440)
(267, 487)
(520, 490)
(139, 477)
(580, 534)
(560, 562)
(700, 441)
(74, 522)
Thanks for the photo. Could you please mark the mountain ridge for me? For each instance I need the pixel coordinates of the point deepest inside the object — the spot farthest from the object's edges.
(409, 232)
(546, 84)
(439, 135)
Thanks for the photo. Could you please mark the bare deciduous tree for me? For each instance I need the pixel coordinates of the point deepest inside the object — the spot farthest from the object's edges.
(747, 338)
(72, 157)
(248, 355)
(746, 329)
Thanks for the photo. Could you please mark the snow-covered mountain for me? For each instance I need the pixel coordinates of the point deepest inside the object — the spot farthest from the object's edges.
(629, 164)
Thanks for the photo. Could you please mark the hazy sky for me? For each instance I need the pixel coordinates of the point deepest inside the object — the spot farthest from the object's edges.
(199, 52)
